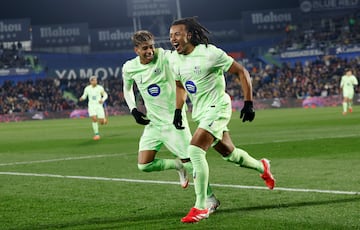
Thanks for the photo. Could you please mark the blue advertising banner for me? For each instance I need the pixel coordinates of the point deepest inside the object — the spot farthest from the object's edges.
(12, 30)
(60, 35)
(265, 21)
(113, 39)
(82, 66)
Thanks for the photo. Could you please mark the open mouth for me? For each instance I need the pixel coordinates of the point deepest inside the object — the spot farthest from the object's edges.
(149, 56)
(176, 46)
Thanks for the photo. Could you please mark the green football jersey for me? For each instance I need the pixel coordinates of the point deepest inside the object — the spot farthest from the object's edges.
(155, 84)
(202, 74)
(94, 95)
(348, 82)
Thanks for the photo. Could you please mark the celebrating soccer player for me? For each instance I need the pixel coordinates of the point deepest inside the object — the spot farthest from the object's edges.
(149, 70)
(199, 69)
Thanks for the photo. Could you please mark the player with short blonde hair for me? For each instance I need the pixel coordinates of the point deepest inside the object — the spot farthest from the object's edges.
(96, 96)
(347, 83)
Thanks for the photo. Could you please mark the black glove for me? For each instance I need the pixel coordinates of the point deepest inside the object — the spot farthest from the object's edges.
(178, 119)
(247, 112)
(140, 117)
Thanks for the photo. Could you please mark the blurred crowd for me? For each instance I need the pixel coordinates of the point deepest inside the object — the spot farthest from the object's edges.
(12, 57)
(329, 33)
(318, 78)
(52, 94)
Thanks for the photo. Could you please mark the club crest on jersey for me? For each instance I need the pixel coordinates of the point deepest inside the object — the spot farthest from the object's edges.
(190, 86)
(153, 90)
(157, 71)
(197, 70)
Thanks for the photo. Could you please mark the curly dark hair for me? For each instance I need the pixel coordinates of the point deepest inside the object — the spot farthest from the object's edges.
(199, 33)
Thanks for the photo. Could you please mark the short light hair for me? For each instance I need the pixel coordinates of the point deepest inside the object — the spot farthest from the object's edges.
(92, 77)
(141, 36)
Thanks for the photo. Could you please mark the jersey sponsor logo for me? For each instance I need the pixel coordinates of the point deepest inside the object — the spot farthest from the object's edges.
(190, 87)
(153, 90)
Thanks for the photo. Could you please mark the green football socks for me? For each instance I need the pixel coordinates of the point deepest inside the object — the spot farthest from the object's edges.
(345, 105)
(157, 165)
(189, 168)
(95, 127)
(242, 158)
(201, 175)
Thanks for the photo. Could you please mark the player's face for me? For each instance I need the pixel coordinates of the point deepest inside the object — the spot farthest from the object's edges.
(180, 39)
(93, 82)
(145, 51)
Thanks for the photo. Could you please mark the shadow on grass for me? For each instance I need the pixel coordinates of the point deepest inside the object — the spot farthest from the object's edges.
(137, 221)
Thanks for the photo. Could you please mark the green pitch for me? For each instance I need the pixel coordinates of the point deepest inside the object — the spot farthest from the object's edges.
(54, 176)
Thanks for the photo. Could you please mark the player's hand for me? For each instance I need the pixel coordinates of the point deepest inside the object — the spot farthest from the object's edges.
(140, 117)
(247, 112)
(178, 119)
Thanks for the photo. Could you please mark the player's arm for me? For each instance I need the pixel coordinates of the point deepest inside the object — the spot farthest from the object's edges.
(180, 101)
(104, 96)
(180, 95)
(129, 96)
(355, 81)
(84, 95)
(247, 112)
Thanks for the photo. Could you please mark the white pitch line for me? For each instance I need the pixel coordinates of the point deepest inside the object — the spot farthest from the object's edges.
(60, 159)
(176, 183)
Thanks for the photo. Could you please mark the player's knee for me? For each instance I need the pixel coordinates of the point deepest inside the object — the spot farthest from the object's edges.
(145, 167)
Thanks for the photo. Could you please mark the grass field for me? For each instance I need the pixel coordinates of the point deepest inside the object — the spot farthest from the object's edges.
(54, 176)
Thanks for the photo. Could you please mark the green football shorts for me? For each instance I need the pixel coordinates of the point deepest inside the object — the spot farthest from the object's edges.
(97, 110)
(175, 140)
(215, 120)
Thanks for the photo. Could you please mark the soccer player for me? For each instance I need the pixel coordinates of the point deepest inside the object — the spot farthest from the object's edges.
(199, 68)
(348, 81)
(149, 71)
(96, 97)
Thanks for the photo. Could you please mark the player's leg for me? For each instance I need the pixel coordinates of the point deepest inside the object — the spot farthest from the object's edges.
(101, 115)
(238, 156)
(180, 149)
(200, 142)
(230, 153)
(345, 103)
(177, 142)
(95, 126)
(350, 99)
(94, 122)
(150, 144)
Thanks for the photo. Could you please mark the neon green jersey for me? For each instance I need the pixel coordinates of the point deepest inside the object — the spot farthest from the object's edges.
(202, 74)
(348, 82)
(94, 94)
(156, 86)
